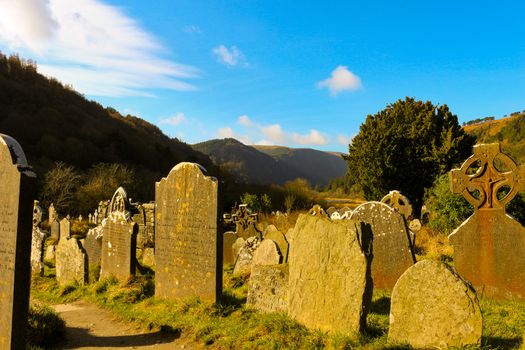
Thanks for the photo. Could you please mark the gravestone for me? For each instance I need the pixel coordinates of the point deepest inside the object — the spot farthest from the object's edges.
(37, 241)
(267, 253)
(268, 288)
(188, 248)
(245, 222)
(118, 239)
(330, 287)
(55, 229)
(93, 244)
(399, 202)
(52, 213)
(50, 253)
(71, 259)
(280, 239)
(65, 228)
(16, 206)
(148, 257)
(392, 245)
(243, 263)
(237, 246)
(489, 247)
(317, 210)
(228, 240)
(434, 308)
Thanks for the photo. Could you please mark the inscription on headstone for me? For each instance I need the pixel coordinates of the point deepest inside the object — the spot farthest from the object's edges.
(188, 249)
(16, 206)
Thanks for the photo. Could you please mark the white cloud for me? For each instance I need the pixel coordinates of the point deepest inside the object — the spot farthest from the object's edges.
(93, 46)
(313, 138)
(192, 29)
(274, 133)
(244, 120)
(345, 140)
(174, 120)
(230, 57)
(341, 79)
(225, 133)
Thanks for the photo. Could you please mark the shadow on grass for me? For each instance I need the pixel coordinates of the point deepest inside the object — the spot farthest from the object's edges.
(380, 306)
(230, 302)
(502, 343)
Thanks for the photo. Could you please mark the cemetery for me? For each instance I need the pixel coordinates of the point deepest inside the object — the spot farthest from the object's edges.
(315, 279)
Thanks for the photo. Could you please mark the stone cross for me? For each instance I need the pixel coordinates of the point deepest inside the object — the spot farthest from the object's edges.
(489, 247)
(399, 202)
(16, 205)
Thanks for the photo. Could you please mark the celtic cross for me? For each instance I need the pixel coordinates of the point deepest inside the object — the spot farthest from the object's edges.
(481, 188)
(399, 202)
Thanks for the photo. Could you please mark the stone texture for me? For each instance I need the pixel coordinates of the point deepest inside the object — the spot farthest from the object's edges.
(65, 228)
(489, 247)
(268, 288)
(188, 249)
(119, 240)
(16, 206)
(237, 246)
(267, 253)
(392, 245)
(55, 229)
(144, 217)
(228, 240)
(148, 257)
(281, 241)
(52, 213)
(243, 263)
(93, 244)
(71, 262)
(329, 284)
(399, 202)
(50, 253)
(37, 241)
(432, 307)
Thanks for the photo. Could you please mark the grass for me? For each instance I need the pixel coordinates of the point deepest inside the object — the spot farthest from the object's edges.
(231, 325)
(44, 326)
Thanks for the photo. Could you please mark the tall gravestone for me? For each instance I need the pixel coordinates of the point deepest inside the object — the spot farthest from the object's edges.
(119, 239)
(54, 227)
(392, 246)
(93, 244)
(188, 248)
(228, 239)
(37, 241)
(16, 206)
(489, 247)
(71, 260)
(330, 286)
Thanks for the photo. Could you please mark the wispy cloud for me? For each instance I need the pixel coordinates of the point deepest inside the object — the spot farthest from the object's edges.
(341, 79)
(345, 140)
(313, 138)
(229, 56)
(175, 120)
(227, 132)
(192, 29)
(93, 46)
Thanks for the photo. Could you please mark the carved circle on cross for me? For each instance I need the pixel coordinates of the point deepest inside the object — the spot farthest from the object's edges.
(399, 202)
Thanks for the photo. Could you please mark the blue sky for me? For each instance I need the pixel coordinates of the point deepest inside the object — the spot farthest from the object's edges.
(295, 73)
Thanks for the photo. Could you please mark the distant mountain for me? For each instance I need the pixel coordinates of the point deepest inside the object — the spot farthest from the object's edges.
(273, 164)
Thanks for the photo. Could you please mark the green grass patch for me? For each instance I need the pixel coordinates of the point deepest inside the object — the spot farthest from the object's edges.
(44, 327)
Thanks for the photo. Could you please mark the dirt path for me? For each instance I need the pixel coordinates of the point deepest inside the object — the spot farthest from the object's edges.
(89, 327)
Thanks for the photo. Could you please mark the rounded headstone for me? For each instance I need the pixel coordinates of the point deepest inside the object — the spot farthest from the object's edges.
(433, 307)
(266, 254)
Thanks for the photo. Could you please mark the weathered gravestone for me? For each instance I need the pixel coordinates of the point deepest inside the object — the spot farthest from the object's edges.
(392, 246)
(275, 235)
(37, 241)
(188, 248)
(489, 247)
(144, 215)
(71, 259)
(16, 206)
(236, 247)
(51, 213)
(330, 285)
(93, 244)
(267, 253)
(245, 222)
(119, 239)
(228, 239)
(55, 229)
(268, 288)
(243, 263)
(434, 308)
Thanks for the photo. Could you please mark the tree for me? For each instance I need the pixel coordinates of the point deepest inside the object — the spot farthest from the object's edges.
(59, 187)
(406, 147)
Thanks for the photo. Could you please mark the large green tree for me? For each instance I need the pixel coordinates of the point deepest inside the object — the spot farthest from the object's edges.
(406, 147)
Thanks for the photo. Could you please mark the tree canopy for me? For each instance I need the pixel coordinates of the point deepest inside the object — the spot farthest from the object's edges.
(406, 147)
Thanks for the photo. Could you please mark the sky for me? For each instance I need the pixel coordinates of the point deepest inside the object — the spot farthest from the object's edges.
(292, 73)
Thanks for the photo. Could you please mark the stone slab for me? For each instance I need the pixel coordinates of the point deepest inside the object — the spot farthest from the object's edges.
(268, 288)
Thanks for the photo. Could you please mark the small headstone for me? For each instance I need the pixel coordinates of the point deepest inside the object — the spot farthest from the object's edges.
(228, 240)
(392, 245)
(71, 262)
(90, 218)
(489, 247)
(335, 216)
(245, 222)
(280, 240)
(434, 308)
(80, 218)
(330, 211)
(317, 210)
(65, 228)
(55, 229)
(399, 202)
(50, 253)
(267, 253)
(52, 213)
(268, 288)
(37, 241)
(187, 246)
(243, 264)
(95, 217)
(119, 240)
(237, 246)
(16, 206)
(330, 286)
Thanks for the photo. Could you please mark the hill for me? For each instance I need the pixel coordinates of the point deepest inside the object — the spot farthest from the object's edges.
(273, 164)
(54, 123)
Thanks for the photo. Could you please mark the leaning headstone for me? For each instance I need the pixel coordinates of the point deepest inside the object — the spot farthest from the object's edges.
(268, 288)
(37, 241)
(71, 261)
(434, 308)
(267, 253)
(16, 206)
(399, 202)
(188, 248)
(119, 239)
(228, 240)
(280, 240)
(392, 246)
(329, 284)
(489, 247)
(243, 263)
